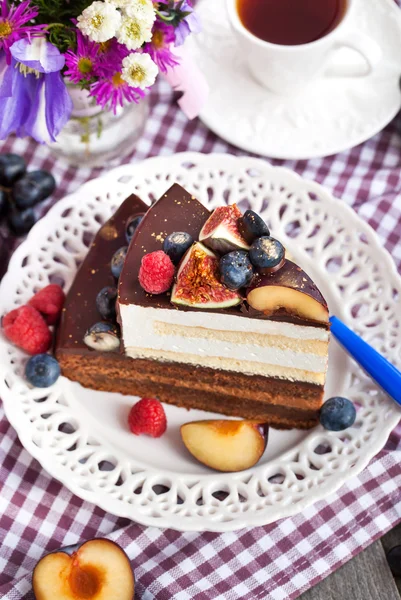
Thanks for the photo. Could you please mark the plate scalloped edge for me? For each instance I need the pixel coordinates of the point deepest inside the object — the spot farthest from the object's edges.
(323, 233)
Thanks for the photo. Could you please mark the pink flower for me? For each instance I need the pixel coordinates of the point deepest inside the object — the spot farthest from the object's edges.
(158, 48)
(82, 64)
(113, 91)
(12, 24)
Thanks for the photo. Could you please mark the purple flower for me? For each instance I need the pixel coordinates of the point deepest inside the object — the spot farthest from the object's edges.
(13, 26)
(189, 24)
(111, 54)
(82, 64)
(159, 47)
(33, 97)
(113, 91)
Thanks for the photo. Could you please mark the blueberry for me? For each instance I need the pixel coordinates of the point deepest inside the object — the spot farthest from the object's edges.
(42, 370)
(176, 244)
(103, 337)
(33, 188)
(106, 303)
(21, 222)
(117, 262)
(3, 203)
(266, 252)
(236, 270)
(337, 414)
(251, 226)
(394, 560)
(131, 226)
(12, 167)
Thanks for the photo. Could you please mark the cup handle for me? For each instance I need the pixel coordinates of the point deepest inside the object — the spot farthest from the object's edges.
(365, 46)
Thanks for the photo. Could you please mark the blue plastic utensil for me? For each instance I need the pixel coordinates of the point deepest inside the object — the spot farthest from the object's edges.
(384, 373)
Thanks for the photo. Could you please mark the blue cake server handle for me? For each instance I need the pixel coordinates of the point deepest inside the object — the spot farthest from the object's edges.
(380, 369)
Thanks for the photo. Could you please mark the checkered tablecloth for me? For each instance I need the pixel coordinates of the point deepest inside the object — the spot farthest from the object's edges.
(279, 561)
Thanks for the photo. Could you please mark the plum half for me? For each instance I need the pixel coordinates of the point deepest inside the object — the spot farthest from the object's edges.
(291, 289)
(226, 445)
(98, 570)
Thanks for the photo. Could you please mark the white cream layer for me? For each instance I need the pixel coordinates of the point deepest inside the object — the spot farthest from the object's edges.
(142, 339)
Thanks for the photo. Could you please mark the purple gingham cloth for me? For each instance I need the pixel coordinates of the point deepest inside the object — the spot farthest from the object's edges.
(279, 561)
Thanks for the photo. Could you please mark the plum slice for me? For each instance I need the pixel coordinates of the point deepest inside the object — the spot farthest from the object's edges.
(226, 445)
(291, 289)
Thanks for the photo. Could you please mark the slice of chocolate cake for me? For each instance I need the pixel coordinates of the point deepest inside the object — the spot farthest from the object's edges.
(258, 352)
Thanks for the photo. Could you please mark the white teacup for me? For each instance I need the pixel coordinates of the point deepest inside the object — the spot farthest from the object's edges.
(283, 69)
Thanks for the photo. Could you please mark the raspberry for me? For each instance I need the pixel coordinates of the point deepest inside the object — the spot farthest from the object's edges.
(49, 302)
(147, 416)
(27, 329)
(156, 272)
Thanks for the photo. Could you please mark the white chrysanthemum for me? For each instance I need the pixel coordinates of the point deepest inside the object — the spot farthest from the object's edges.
(134, 32)
(139, 70)
(99, 21)
(141, 9)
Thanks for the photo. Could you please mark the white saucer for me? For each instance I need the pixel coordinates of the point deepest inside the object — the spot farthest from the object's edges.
(329, 116)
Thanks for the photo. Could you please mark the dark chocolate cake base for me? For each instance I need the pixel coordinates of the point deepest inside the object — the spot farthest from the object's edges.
(282, 404)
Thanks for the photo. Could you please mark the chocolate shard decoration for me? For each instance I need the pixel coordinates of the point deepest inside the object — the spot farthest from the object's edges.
(94, 274)
(176, 210)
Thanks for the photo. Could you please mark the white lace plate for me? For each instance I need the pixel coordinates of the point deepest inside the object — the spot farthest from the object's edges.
(330, 115)
(80, 436)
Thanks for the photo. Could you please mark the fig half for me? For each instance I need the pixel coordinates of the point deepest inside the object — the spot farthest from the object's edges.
(198, 281)
(221, 233)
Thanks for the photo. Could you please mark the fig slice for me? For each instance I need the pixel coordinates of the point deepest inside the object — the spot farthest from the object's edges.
(198, 281)
(290, 289)
(226, 445)
(221, 233)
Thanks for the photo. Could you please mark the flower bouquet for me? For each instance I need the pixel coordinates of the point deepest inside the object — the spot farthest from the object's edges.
(109, 51)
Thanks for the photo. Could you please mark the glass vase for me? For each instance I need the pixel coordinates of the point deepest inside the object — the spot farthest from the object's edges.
(94, 137)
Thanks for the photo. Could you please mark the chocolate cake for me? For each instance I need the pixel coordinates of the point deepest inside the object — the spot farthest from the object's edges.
(264, 360)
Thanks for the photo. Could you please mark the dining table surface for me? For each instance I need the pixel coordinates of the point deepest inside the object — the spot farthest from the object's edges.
(333, 550)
